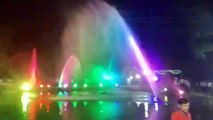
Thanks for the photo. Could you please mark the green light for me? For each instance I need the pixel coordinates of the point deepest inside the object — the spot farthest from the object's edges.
(85, 103)
(75, 85)
(75, 103)
(101, 85)
(85, 85)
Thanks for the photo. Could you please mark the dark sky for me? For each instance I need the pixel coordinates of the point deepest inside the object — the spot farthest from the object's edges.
(164, 27)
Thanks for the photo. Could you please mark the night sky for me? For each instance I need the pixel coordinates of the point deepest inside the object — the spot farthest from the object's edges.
(164, 28)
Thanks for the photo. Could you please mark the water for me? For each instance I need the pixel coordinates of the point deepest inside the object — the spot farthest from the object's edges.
(99, 37)
(12, 107)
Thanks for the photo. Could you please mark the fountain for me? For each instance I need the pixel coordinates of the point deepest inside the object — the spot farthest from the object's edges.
(71, 71)
(33, 68)
(99, 37)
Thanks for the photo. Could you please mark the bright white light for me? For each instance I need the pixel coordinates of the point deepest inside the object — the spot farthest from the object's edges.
(41, 86)
(138, 103)
(155, 99)
(146, 108)
(65, 85)
(165, 89)
(181, 92)
(155, 78)
(48, 86)
(156, 107)
(25, 99)
(130, 77)
(101, 85)
(137, 76)
(26, 87)
(116, 85)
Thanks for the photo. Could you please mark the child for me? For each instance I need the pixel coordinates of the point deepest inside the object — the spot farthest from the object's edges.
(183, 112)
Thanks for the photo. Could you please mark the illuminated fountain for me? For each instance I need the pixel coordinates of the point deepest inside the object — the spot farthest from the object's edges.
(71, 71)
(105, 46)
(32, 78)
(33, 68)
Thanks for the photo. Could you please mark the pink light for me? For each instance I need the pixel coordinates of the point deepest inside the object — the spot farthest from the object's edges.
(144, 65)
(33, 67)
(142, 62)
(181, 92)
(65, 85)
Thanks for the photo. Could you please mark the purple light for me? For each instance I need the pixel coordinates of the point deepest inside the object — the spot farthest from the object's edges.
(140, 57)
(142, 62)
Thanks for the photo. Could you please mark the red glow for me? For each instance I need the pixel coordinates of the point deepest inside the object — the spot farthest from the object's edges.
(33, 67)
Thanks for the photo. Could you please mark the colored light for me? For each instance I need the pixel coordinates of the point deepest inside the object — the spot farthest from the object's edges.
(101, 85)
(155, 99)
(130, 77)
(75, 85)
(41, 93)
(85, 85)
(166, 99)
(41, 86)
(26, 87)
(137, 76)
(116, 85)
(107, 77)
(85, 103)
(155, 78)
(75, 103)
(156, 107)
(25, 99)
(181, 92)
(65, 85)
(165, 89)
(48, 86)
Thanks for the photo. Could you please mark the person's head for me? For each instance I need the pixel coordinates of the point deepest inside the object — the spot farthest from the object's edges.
(183, 104)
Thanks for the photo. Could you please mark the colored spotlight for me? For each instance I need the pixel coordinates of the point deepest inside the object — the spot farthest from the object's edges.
(65, 85)
(137, 76)
(75, 85)
(165, 89)
(181, 92)
(26, 87)
(85, 85)
(101, 85)
(41, 86)
(166, 99)
(155, 78)
(48, 86)
(107, 77)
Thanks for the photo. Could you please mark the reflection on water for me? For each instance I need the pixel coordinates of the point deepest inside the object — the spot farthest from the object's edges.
(29, 108)
(25, 100)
